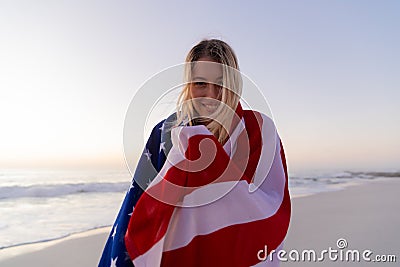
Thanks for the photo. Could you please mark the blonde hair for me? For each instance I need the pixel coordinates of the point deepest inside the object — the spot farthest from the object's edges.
(221, 53)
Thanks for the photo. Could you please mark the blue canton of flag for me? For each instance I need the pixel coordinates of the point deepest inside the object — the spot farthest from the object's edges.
(150, 163)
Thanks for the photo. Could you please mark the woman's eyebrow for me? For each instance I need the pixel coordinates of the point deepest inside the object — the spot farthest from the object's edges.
(199, 78)
(204, 79)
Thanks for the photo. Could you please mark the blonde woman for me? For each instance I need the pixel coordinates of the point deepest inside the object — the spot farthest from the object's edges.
(211, 188)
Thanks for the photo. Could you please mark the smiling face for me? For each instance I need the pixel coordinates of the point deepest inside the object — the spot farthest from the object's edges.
(206, 86)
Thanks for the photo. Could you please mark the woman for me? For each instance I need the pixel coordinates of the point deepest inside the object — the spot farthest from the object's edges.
(211, 188)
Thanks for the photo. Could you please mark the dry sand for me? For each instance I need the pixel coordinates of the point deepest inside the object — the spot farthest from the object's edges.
(366, 216)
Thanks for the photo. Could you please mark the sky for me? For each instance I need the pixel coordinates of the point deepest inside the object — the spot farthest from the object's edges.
(328, 69)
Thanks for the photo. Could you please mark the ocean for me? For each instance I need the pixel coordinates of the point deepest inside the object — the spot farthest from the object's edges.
(37, 206)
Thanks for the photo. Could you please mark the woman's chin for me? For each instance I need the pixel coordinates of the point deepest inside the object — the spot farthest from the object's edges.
(206, 111)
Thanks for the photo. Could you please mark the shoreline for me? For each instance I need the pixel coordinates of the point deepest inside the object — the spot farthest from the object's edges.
(16, 250)
(363, 213)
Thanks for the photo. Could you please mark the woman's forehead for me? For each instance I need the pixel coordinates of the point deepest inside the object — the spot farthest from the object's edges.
(207, 70)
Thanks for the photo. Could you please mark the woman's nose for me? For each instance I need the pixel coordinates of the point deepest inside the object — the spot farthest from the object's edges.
(212, 90)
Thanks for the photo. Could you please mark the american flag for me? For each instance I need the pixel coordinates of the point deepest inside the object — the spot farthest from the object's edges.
(221, 215)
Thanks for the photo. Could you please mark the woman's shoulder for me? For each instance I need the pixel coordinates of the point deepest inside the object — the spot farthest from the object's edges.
(164, 125)
(255, 119)
(255, 113)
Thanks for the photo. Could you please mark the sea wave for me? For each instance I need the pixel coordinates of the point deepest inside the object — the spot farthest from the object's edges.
(340, 177)
(377, 174)
(56, 190)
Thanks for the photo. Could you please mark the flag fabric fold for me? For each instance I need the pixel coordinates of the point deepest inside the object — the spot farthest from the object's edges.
(206, 204)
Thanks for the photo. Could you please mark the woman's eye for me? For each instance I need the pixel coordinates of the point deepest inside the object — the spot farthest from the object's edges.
(200, 84)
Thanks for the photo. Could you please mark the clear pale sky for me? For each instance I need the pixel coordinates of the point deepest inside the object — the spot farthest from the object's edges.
(329, 69)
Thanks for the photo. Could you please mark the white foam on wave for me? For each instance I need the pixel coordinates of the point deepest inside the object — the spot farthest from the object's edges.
(55, 190)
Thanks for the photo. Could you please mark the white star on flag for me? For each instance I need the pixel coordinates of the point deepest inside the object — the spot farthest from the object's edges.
(147, 154)
(131, 187)
(115, 231)
(114, 262)
(162, 146)
(130, 214)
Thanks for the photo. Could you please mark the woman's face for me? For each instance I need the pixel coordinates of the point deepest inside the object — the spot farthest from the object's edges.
(206, 86)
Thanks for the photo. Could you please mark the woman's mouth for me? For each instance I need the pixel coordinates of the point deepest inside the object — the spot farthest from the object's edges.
(209, 107)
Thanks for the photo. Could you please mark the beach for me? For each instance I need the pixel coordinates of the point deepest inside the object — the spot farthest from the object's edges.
(83, 249)
(365, 215)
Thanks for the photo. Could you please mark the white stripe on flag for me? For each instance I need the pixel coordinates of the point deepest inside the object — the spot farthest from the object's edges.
(152, 257)
(236, 207)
